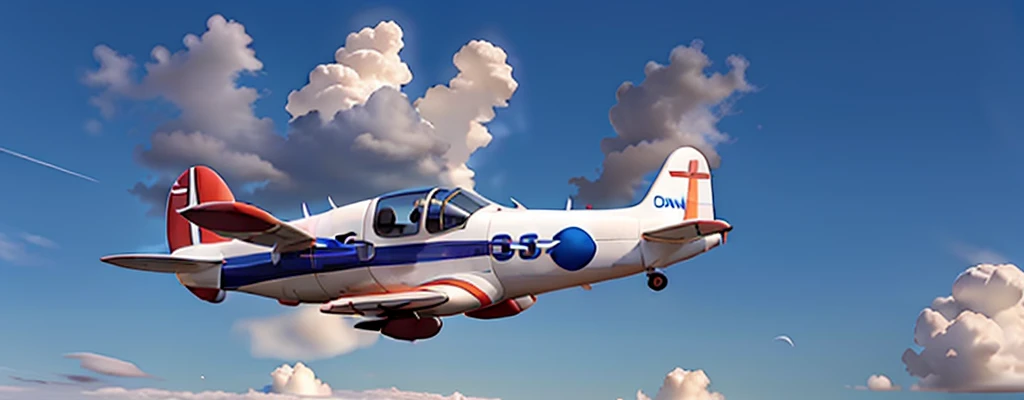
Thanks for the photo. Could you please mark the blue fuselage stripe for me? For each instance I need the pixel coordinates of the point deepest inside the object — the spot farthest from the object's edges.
(256, 268)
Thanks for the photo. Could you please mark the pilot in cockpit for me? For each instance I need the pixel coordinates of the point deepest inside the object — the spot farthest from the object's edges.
(416, 212)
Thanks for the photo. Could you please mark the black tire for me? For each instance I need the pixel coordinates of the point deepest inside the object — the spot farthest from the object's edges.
(657, 281)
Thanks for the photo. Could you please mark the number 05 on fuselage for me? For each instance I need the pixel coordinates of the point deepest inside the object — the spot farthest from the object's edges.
(404, 260)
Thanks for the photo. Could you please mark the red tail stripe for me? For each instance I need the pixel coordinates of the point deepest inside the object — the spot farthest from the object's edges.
(206, 186)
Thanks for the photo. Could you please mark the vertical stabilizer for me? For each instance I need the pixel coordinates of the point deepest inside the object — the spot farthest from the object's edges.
(198, 184)
(682, 189)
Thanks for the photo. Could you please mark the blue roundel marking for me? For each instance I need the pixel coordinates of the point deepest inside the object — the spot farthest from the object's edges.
(575, 249)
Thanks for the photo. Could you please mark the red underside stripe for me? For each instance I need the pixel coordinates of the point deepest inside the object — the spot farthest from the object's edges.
(468, 287)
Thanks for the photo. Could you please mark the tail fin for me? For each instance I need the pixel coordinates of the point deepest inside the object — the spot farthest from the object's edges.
(198, 184)
(682, 189)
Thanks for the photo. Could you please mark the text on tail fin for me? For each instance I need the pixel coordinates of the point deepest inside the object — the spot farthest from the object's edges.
(198, 184)
(682, 188)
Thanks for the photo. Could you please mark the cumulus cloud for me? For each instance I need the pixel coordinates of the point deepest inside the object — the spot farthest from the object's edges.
(676, 105)
(681, 384)
(299, 380)
(459, 110)
(973, 341)
(878, 383)
(881, 383)
(369, 61)
(288, 383)
(108, 365)
(306, 334)
(353, 134)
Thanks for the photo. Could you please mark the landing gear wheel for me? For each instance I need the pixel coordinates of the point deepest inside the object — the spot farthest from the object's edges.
(657, 281)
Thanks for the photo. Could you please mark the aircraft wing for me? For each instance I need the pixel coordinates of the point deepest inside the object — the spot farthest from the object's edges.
(379, 304)
(162, 262)
(236, 220)
(687, 230)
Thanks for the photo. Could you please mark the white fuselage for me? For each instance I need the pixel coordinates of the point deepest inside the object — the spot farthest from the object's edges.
(402, 263)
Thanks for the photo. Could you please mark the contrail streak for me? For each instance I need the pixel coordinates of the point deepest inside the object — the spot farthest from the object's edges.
(46, 164)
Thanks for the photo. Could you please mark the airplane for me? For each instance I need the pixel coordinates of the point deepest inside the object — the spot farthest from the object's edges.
(402, 261)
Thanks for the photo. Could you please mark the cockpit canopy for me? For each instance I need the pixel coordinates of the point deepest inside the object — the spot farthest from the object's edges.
(400, 214)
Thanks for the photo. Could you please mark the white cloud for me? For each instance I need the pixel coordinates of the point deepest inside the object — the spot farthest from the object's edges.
(108, 365)
(118, 393)
(877, 383)
(976, 255)
(158, 394)
(288, 383)
(675, 105)
(353, 133)
(14, 248)
(681, 384)
(368, 61)
(973, 341)
(299, 380)
(881, 383)
(306, 334)
(11, 250)
(395, 394)
(113, 74)
(459, 110)
(38, 240)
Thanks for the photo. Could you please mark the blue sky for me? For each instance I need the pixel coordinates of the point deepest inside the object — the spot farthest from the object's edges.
(878, 154)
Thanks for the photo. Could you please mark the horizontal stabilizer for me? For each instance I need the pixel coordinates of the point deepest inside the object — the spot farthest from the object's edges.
(248, 223)
(687, 231)
(379, 304)
(162, 262)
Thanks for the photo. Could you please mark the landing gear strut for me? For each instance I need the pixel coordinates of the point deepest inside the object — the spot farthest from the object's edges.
(657, 281)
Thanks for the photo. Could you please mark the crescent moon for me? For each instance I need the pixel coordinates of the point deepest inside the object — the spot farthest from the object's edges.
(786, 339)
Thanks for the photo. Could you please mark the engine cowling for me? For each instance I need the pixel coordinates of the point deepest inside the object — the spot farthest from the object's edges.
(504, 309)
(411, 329)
